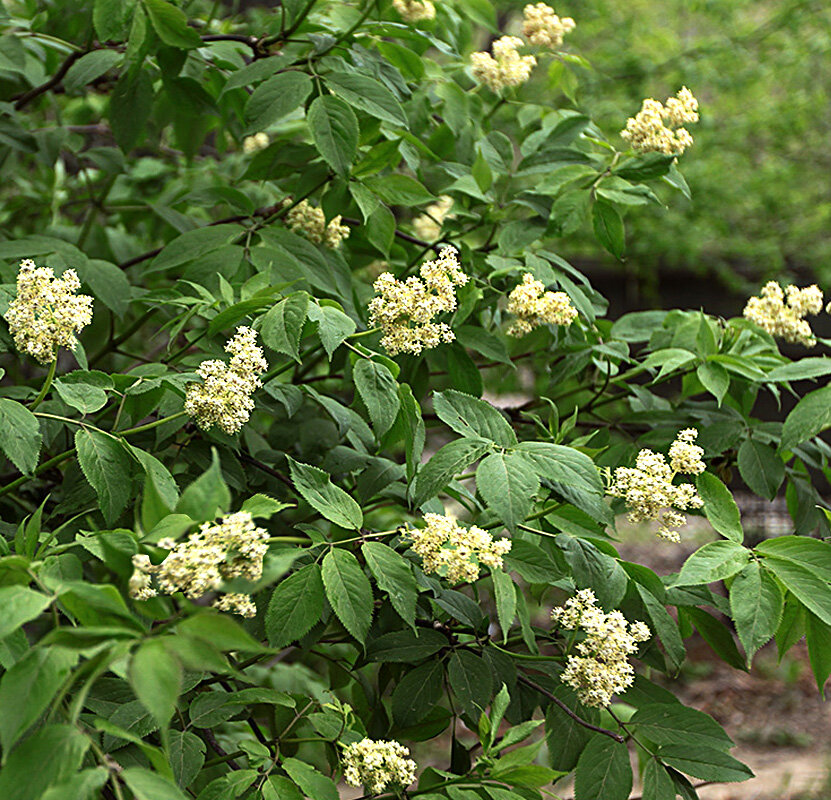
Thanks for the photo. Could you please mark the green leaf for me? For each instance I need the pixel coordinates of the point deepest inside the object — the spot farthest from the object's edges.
(334, 130)
(657, 785)
(405, 646)
(417, 692)
(810, 416)
(379, 391)
(349, 591)
(276, 97)
(394, 575)
(193, 245)
(28, 687)
(562, 464)
(320, 493)
(84, 785)
(608, 227)
(755, 606)
(295, 606)
(187, 755)
(333, 326)
(566, 739)
(720, 507)
(444, 464)
(716, 634)
(156, 678)
(665, 626)
(85, 397)
(207, 496)
(714, 378)
(282, 326)
(505, 596)
(815, 554)
(108, 18)
(19, 435)
(603, 771)
(673, 723)
(107, 466)
(147, 785)
(801, 370)
(470, 679)
(130, 104)
(761, 469)
(509, 486)
(279, 788)
(50, 756)
(703, 762)
(171, 24)
(93, 65)
(311, 782)
(531, 563)
(473, 417)
(108, 282)
(399, 190)
(594, 569)
(818, 637)
(812, 591)
(369, 95)
(644, 167)
(714, 561)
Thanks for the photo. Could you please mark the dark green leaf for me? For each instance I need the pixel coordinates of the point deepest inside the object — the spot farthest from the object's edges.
(394, 575)
(379, 391)
(334, 130)
(321, 494)
(171, 24)
(349, 591)
(19, 435)
(295, 606)
(509, 486)
(603, 771)
(276, 97)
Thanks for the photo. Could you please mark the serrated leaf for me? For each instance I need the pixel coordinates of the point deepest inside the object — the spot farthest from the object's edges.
(394, 575)
(171, 24)
(107, 466)
(756, 607)
(156, 678)
(276, 97)
(761, 469)
(416, 693)
(505, 596)
(603, 771)
(207, 496)
(368, 95)
(334, 130)
(714, 561)
(470, 679)
(673, 723)
(508, 485)
(316, 488)
(719, 507)
(295, 606)
(444, 464)
(313, 783)
(20, 437)
(379, 391)
(282, 326)
(349, 591)
(703, 762)
(810, 416)
(471, 416)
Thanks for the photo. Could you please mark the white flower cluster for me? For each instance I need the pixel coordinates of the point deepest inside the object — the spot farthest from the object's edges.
(533, 306)
(311, 222)
(446, 547)
(46, 313)
(415, 10)
(404, 310)
(255, 143)
(428, 225)
(786, 318)
(647, 488)
(658, 127)
(506, 67)
(232, 548)
(375, 764)
(601, 669)
(543, 28)
(224, 396)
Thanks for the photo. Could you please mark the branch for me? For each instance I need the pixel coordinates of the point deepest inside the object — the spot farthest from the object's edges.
(579, 720)
(27, 97)
(437, 246)
(208, 736)
(243, 456)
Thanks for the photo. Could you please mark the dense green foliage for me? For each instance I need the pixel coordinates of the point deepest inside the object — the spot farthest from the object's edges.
(126, 157)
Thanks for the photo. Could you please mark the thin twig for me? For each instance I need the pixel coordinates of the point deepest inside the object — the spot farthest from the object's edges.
(27, 97)
(208, 735)
(437, 246)
(579, 720)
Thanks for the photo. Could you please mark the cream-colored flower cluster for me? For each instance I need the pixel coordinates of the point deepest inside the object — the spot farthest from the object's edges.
(232, 548)
(601, 669)
(255, 143)
(405, 310)
(533, 306)
(543, 28)
(786, 317)
(46, 314)
(224, 396)
(447, 548)
(428, 225)
(376, 764)
(311, 222)
(658, 127)
(506, 67)
(647, 489)
(415, 10)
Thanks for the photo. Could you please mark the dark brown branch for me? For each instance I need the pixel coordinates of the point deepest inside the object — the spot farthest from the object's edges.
(579, 720)
(265, 468)
(437, 246)
(27, 97)
(208, 736)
